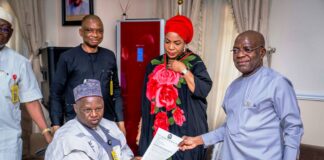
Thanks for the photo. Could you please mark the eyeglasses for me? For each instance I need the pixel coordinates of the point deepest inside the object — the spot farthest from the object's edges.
(5, 30)
(88, 110)
(245, 49)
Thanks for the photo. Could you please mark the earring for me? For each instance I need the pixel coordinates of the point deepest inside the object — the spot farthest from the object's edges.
(184, 49)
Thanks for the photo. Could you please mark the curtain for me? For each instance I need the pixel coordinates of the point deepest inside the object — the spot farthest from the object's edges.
(219, 36)
(29, 16)
(192, 9)
(253, 15)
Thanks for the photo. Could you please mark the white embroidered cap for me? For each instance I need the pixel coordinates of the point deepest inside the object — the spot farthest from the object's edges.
(5, 15)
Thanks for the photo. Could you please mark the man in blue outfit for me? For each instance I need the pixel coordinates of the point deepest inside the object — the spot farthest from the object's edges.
(86, 61)
(263, 118)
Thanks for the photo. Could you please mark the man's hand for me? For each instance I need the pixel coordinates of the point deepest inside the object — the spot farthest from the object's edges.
(48, 137)
(121, 126)
(55, 128)
(190, 142)
(35, 111)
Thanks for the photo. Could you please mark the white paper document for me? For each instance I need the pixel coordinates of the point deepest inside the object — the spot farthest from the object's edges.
(163, 146)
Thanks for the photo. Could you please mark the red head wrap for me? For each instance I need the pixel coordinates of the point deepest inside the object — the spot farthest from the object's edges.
(180, 25)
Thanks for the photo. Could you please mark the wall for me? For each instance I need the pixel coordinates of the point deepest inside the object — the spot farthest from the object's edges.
(108, 10)
(296, 28)
(312, 115)
(296, 31)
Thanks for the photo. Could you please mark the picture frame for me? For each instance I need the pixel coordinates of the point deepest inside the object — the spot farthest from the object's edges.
(74, 10)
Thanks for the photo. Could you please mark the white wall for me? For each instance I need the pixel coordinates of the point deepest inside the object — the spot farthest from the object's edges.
(108, 10)
(313, 119)
(296, 30)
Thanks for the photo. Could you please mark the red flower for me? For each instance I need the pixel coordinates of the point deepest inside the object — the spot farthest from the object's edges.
(152, 107)
(165, 76)
(166, 96)
(178, 116)
(152, 86)
(161, 121)
(162, 92)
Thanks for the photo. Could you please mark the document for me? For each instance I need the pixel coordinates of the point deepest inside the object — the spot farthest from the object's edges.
(163, 146)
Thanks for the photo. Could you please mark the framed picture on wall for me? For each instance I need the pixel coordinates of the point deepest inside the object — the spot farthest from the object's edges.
(74, 10)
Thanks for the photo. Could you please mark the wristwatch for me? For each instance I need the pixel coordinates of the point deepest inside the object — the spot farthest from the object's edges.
(185, 71)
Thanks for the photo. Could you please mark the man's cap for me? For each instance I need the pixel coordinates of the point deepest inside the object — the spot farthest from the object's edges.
(90, 87)
(182, 26)
(5, 15)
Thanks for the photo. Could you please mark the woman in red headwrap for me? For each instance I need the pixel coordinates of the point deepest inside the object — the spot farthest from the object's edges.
(175, 90)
